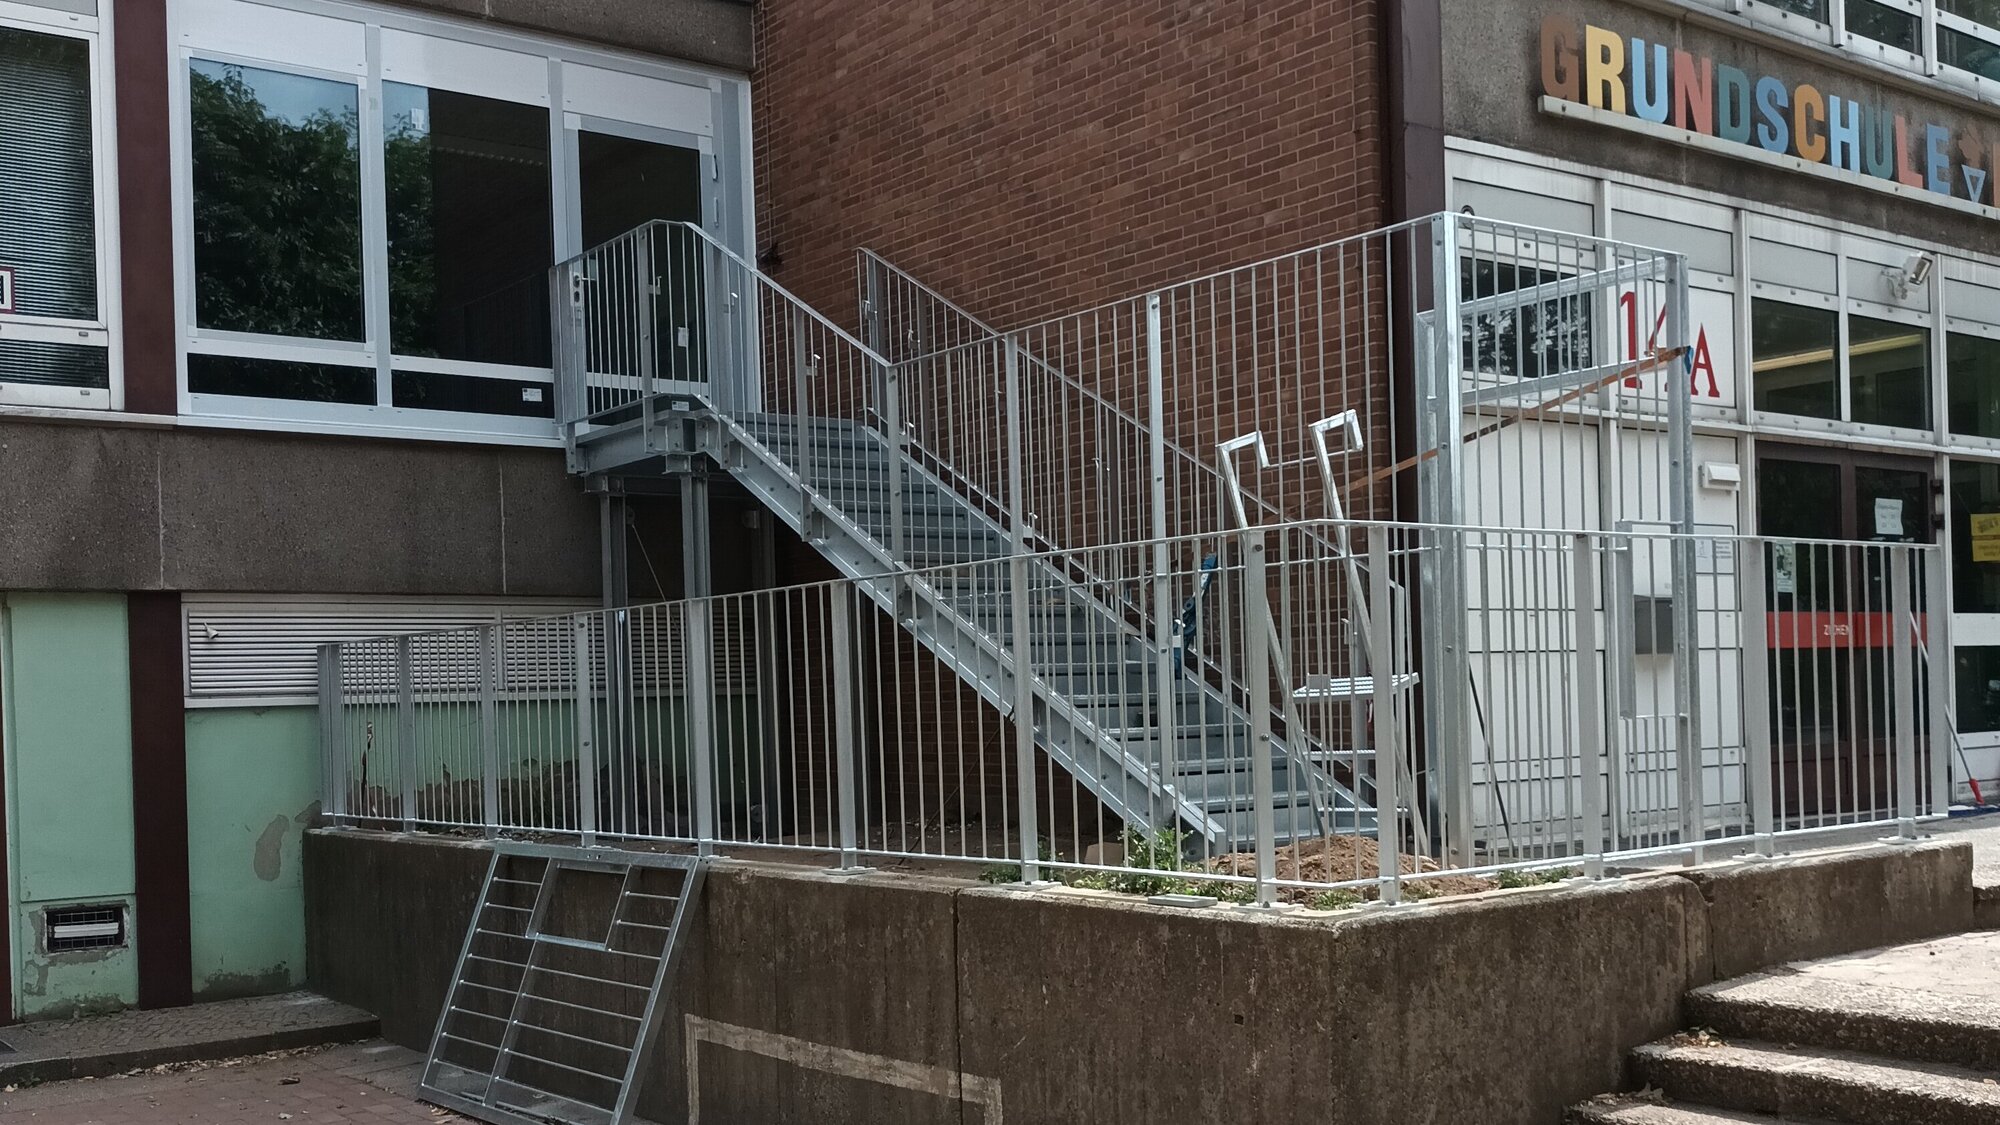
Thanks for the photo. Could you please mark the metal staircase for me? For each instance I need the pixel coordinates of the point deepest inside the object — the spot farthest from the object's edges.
(816, 426)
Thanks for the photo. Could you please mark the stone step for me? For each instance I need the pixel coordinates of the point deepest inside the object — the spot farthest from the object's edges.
(1935, 1001)
(1818, 1083)
(1632, 1110)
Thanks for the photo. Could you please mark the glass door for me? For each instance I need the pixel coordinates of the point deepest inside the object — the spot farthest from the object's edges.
(1829, 626)
(656, 334)
(1975, 623)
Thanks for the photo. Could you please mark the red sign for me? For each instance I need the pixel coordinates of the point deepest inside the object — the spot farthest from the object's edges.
(1834, 630)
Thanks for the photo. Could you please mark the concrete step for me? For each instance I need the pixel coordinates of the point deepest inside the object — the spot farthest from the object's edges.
(1637, 1111)
(1814, 1082)
(96, 1046)
(1935, 1001)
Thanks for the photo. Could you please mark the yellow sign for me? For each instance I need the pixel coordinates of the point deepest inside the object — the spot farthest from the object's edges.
(1986, 538)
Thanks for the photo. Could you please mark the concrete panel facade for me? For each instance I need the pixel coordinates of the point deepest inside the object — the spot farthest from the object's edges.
(139, 508)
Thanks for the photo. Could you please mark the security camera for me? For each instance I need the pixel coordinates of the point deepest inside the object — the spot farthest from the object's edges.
(1914, 273)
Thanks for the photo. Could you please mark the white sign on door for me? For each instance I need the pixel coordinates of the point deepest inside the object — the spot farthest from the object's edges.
(6, 289)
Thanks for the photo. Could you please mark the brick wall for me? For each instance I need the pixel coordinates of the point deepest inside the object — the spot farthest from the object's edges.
(1031, 159)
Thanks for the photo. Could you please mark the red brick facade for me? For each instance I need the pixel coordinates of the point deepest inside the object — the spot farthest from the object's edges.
(1030, 159)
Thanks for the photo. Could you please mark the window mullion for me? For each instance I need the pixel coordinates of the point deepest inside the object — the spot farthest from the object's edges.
(1929, 37)
(375, 222)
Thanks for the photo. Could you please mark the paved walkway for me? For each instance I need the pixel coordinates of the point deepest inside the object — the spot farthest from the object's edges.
(56, 1050)
(361, 1083)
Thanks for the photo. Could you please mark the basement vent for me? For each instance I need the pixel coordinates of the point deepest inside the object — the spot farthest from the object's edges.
(71, 928)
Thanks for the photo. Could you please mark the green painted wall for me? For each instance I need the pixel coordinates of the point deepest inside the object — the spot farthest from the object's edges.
(253, 783)
(69, 747)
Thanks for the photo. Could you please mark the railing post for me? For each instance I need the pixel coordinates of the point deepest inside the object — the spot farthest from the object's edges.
(698, 642)
(646, 298)
(1257, 672)
(406, 731)
(844, 738)
(1165, 683)
(1902, 648)
(1589, 703)
(1388, 727)
(333, 744)
(1758, 788)
(802, 376)
(1023, 667)
(586, 732)
(489, 728)
(892, 417)
(1935, 624)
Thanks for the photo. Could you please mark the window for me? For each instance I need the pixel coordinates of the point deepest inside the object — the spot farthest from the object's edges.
(1889, 373)
(1978, 689)
(270, 258)
(371, 202)
(1792, 358)
(1975, 558)
(1972, 380)
(56, 350)
(1891, 26)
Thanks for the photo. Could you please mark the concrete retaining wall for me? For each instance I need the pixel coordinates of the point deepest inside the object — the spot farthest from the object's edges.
(814, 998)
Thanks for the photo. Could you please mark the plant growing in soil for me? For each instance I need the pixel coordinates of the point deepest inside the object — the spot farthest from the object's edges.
(1513, 879)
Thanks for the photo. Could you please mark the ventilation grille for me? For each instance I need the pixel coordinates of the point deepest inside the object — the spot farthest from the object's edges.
(243, 651)
(71, 928)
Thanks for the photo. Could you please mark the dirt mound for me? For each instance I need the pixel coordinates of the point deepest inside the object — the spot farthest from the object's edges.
(1340, 859)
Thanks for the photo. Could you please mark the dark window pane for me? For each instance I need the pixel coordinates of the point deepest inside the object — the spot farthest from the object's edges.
(272, 378)
(1955, 48)
(48, 221)
(1893, 26)
(54, 365)
(1889, 373)
(1537, 338)
(471, 394)
(1972, 384)
(1810, 9)
(1979, 11)
(1792, 358)
(277, 203)
(1978, 690)
(625, 183)
(1975, 538)
(470, 228)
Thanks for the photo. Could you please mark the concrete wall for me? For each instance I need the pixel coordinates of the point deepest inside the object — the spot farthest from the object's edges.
(106, 507)
(68, 742)
(808, 997)
(253, 777)
(1491, 68)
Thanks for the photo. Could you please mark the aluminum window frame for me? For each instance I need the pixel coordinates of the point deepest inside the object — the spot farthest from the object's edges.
(1926, 62)
(720, 126)
(105, 330)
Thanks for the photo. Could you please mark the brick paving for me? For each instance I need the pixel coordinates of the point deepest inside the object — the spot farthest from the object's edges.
(358, 1084)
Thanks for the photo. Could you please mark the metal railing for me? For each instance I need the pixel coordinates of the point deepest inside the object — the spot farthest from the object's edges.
(870, 719)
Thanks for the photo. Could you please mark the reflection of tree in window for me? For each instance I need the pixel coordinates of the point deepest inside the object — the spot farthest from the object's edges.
(470, 229)
(1810, 9)
(1870, 20)
(1955, 48)
(277, 203)
(1525, 342)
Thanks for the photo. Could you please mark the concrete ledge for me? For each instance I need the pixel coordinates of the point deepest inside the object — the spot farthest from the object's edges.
(811, 997)
(99, 1046)
(1765, 913)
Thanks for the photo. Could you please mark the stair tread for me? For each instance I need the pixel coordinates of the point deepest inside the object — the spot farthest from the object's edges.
(1635, 1110)
(1847, 1071)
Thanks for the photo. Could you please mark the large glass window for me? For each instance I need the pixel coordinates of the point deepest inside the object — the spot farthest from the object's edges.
(1810, 9)
(48, 211)
(277, 202)
(1883, 24)
(1978, 689)
(1793, 358)
(1889, 373)
(1975, 537)
(1972, 384)
(470, 230)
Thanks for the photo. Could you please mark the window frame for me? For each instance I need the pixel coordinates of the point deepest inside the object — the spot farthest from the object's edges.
(103, 331)
(534, 77)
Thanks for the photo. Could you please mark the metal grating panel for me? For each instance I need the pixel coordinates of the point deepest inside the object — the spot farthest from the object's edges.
(554, 1006)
